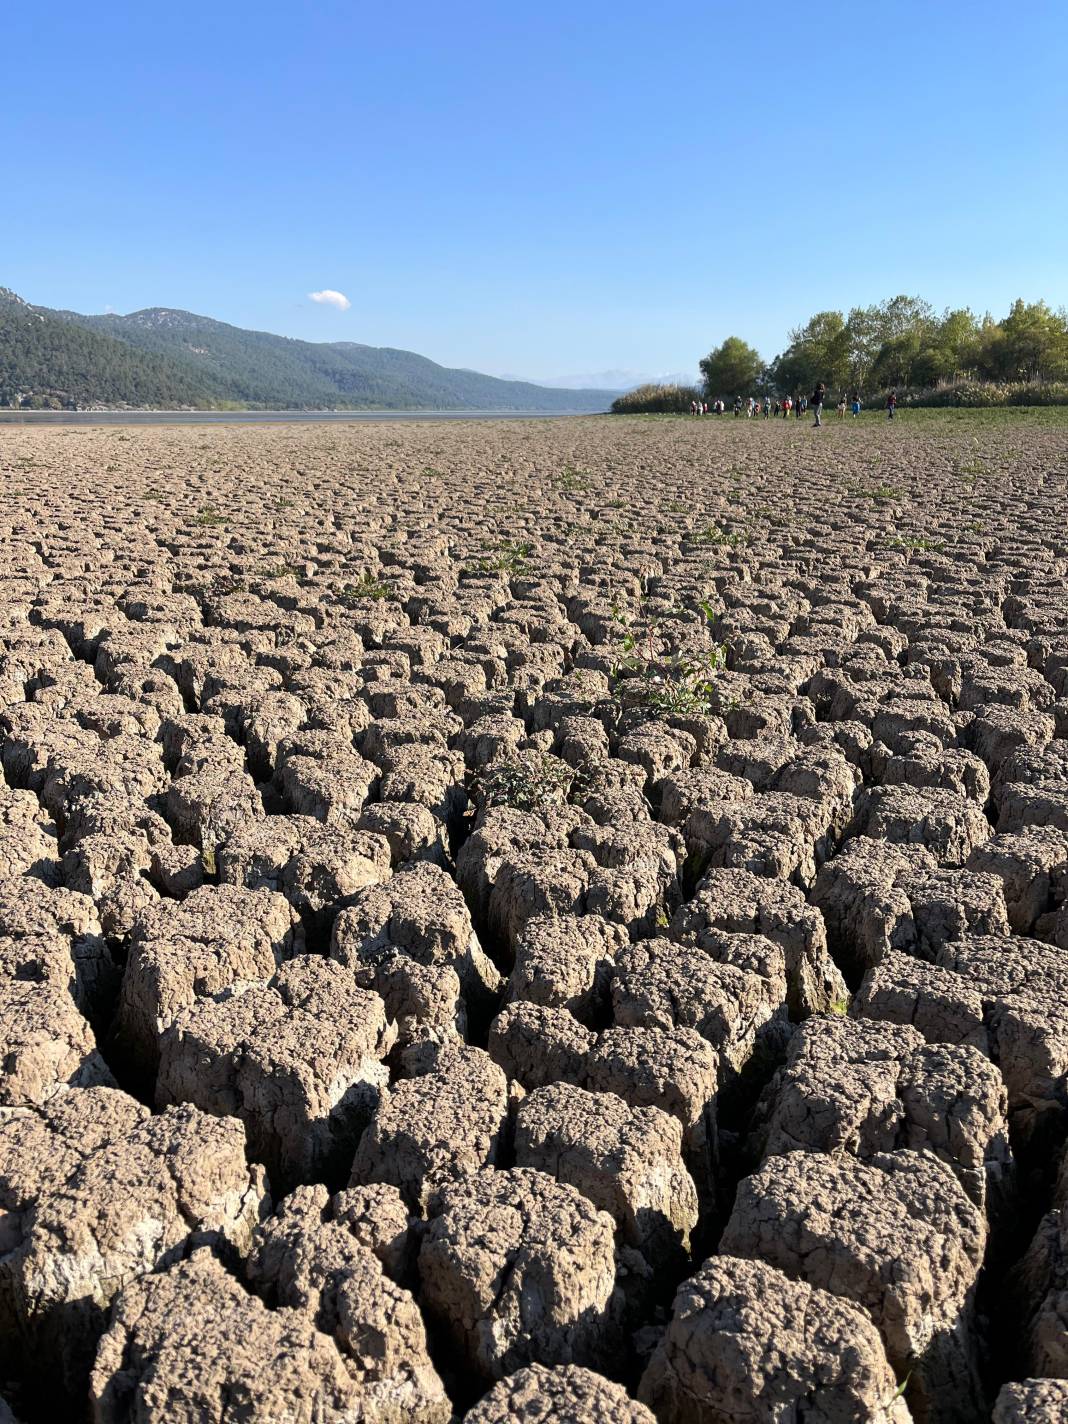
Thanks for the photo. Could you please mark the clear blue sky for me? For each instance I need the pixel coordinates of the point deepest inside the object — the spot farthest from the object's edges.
(540, 189)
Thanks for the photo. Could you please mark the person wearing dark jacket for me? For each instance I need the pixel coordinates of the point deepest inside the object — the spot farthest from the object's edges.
(817, 403)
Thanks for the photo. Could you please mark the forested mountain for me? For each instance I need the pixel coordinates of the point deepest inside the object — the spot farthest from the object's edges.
(162, 357)
(41, 355)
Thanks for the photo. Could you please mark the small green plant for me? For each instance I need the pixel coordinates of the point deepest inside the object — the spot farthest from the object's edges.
(676, 686)
(209, 516)
(714, 536)
(899, 1392)
(570, 480)
(885, 492)
(531, 781)
(840, 1007)
(508, 557)
(366, 588)
(680, 685)
(974, 465)
(934, 546)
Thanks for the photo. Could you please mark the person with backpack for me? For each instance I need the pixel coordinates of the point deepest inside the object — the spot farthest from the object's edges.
(891, 405)
(817, 403)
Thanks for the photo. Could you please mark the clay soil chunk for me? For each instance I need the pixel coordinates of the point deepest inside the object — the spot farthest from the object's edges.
(1033, 1401)
(298, 1060)
(48, 1044)
(318, 868)
(737, 901)
(192, 1346)
(566, 962)
(538, 1395)
(857, 1086)
(217, 937)
(949, 826)
(99, 1193)
(519, 1269)
(27, 837)
(875, 897)
(433, 1129)
(747, 1344)
(896, 1235)
(661, 984)
(307, 1258)
(628, 1161)
(419, 912)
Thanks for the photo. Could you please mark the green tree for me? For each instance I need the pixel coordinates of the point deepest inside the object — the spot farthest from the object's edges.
(818, 351)
(734, 368)
(1032, 343)
(899, 360)
(948, 349)
(883, 324)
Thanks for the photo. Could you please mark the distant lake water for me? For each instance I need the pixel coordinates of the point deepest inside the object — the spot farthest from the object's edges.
(262, 417)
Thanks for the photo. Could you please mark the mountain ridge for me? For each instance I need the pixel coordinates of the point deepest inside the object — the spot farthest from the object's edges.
(167, 358)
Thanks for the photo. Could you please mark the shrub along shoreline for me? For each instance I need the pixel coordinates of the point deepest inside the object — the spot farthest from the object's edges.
(970, 395)
(900, 345)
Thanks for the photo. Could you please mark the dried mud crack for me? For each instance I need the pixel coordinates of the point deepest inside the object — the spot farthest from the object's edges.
(534, 920)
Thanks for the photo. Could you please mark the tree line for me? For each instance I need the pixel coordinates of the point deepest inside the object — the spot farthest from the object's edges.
(901, 344)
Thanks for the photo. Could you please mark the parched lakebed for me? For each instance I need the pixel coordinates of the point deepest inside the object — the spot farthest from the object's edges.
(535, 920)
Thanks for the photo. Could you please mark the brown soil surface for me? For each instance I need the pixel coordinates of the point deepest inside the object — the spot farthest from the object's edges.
(534, 919)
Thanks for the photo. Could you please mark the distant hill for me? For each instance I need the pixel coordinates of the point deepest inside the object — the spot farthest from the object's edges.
(43, 356)
(165, 358)
(614, 381)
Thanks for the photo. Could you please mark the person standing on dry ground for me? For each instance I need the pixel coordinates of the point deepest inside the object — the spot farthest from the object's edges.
(841, 406)
(891, 405)
(787, 406)
(817, 404)
(856, 406)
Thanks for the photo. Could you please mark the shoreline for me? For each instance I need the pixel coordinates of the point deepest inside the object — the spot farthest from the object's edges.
(269, 417)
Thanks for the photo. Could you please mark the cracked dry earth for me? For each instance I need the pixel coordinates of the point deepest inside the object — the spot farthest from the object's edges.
(414, 1010)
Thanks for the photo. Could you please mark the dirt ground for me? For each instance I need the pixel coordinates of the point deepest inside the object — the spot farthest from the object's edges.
(533, 920)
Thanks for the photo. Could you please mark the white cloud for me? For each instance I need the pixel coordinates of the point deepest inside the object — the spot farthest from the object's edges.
(328, 298)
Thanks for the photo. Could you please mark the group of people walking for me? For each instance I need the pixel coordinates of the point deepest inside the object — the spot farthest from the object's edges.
(797, 403)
